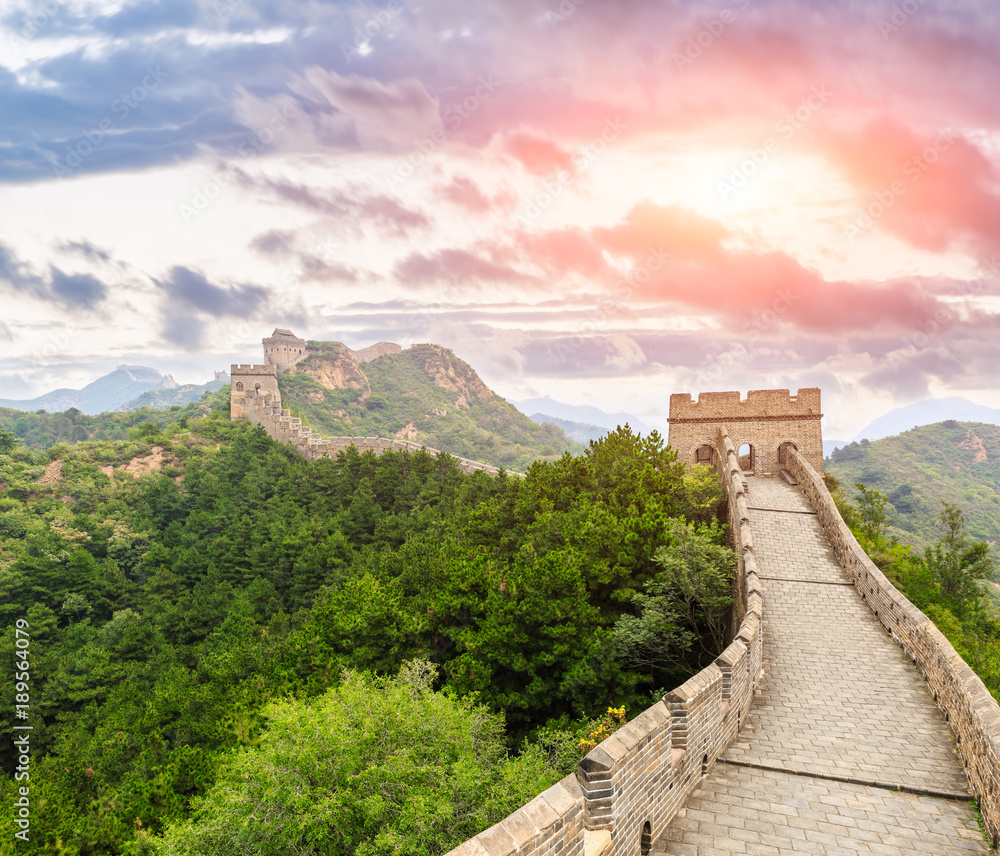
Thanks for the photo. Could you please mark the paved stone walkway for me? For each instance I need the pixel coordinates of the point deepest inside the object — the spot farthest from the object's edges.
(844, 750)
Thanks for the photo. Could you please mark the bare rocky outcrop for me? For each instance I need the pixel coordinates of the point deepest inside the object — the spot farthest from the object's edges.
(975, 445)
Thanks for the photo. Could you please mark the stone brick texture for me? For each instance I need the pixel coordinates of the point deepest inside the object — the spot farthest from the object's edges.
(967, 705)
(766, 419)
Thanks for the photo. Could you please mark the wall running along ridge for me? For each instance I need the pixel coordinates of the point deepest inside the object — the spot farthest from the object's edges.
(972, 713)
(627, 789)
(255, 396)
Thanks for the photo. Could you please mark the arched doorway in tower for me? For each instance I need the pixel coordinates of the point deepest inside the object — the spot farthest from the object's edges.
(746, 456)
(783, 452)
(704, 455)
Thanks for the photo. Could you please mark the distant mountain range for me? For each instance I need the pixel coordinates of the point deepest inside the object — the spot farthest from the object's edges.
(581, 422)
(928, 412)
(126, 388)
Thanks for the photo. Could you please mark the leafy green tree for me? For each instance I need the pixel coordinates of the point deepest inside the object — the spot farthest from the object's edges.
(375, 766)
(956, 564)
(871, 510)
(683, 612)
(7, 441)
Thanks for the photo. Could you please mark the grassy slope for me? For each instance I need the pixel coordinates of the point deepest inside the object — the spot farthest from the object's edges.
(403, 393)
(920, 468)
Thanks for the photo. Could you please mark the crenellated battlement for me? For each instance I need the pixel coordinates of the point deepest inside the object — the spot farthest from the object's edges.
(759, 404)
(767, 423)
(250, 369)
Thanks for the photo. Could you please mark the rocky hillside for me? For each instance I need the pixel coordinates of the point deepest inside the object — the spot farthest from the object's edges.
(424, 393)
(958, 462)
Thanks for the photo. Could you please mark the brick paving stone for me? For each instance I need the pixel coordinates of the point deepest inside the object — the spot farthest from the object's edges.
(838, 699)
(949, 835)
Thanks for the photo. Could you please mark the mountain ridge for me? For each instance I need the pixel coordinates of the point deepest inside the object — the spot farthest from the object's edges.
(950, 461)
(424, 393)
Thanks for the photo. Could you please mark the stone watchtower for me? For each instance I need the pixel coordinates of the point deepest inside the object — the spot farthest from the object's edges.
(250, 381)
(769, 421)
(283, 349)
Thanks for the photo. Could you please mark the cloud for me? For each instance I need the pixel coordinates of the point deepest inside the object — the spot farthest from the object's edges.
(351, 208)
(669, 229)
(190, 289)
(935, 189)
(87, 250)
(907, 373)
(538, 155)
(383, 116)
(77, 290)
(466, 193)
(184, 331)
(17, 274)
(454, 265)
(6, 334)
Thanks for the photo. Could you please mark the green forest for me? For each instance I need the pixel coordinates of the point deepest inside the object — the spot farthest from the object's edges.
(953, 462)
(235, 650)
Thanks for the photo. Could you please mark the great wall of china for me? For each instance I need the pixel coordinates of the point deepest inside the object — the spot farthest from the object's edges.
(254, 395)
(836, 722)
(812, 732)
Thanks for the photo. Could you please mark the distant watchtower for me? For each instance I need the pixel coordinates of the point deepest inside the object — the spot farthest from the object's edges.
(249, 381)
(768, 421)
(283, 349)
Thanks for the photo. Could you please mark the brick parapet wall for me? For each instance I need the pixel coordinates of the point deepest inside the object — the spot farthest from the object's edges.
(970, 709)
(263, 407)
(766, 420)
(637, 779)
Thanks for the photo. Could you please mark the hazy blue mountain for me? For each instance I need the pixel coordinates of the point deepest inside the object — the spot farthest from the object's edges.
(927, 412)
(578, 431)
(585, 415)
(106, 393)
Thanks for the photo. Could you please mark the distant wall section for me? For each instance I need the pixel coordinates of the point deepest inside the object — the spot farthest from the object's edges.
(255, 396)
(769, 421)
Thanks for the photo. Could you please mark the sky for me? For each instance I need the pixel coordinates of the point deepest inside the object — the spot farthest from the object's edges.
(603, 202)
